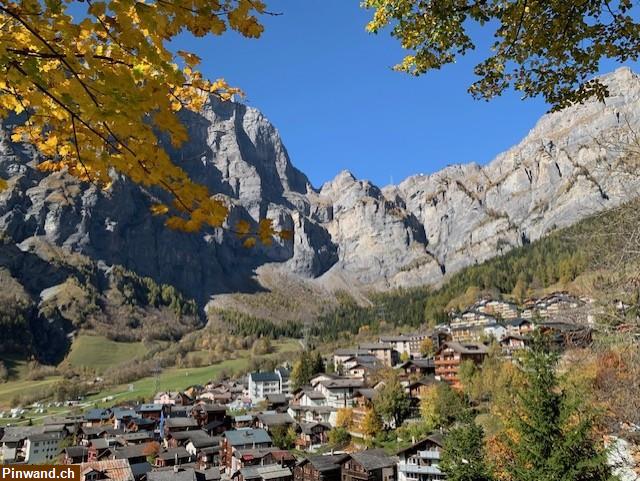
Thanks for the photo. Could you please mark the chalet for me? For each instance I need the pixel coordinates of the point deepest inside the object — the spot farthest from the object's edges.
(312, 434)
(320, 468)
(417, 368)
(171, 398)
(338, 391)
(277, 402)
(365, 359)
(320, 414)
(270, 420)
(120, 417)
(98, 449)
(141, 424)
(96, 417)
(452, 354)
(75, 455)
(140, 437)
(519, 326)
(418, 389)
(136, 455)
(150, 411)
(369, 465)
(512, 343)
(308, 396)
(477, 331)
(271, 472)
(205, 413)
(173, 457)
(362, 402)
(173, 425)
(246, 438)
(420, 461)
(109, 470)
(341, 355)
(243, 421)
(206, 448)
(243, 458)
(263, 383)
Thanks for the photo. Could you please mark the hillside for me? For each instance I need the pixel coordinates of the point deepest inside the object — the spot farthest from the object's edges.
(597, 257)
(75, 258)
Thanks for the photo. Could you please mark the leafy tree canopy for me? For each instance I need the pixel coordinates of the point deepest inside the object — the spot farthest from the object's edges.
(99, 86)
(547, 48)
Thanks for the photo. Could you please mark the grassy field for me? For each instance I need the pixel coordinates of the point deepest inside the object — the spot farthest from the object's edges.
(173, 379)
(101, 353)
(170, 379)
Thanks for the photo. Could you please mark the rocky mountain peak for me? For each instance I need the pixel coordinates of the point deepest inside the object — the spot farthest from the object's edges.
(407, 234)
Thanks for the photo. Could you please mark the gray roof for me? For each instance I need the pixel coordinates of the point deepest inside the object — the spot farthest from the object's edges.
(276, 398)
(342, 383)
(372, 459)
(275, 419)
(76, 451)
(327, 462)
(435, 438)
(211, 474)
(243, 418)
(271, 471)
(466, 348)
(350, 352)
(168, 474)
(170, 454)
(181, 423)
(248, 436)
(149, 408)
(368, 393)
(264, 377)
(375, 346)
(284, 372)
(44, 437)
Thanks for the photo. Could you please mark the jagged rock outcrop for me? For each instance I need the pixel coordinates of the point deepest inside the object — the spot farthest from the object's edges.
(412, 233)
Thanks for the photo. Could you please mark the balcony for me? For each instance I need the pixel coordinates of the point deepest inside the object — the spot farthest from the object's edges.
(429, 454)
(416, 469)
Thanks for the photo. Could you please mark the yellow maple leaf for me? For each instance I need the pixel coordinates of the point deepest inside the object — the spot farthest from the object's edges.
(242, 228)
(159, 209)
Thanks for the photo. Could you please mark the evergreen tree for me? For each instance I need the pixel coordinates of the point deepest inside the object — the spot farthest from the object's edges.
(463, 455)
(552, 434)
(306, 367)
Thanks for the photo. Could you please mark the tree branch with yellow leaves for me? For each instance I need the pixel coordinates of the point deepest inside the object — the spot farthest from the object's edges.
(99, 89)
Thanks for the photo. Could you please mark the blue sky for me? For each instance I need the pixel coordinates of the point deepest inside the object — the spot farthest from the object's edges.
(328, 87)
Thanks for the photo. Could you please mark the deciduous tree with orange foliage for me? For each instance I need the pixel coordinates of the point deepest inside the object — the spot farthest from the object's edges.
(97, 85)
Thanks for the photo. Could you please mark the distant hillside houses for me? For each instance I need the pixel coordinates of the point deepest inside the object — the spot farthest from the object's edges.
(198, 434)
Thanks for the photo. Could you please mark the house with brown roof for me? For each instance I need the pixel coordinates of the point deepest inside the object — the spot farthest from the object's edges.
(369, 465)
(319, 468)
(451, 354)
(109, 470)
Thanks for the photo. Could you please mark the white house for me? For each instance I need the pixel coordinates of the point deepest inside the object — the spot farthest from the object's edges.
(420, 461)
(263, 383)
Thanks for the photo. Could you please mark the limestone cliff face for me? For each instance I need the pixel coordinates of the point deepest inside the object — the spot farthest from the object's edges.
(412, 233)
(428, 226)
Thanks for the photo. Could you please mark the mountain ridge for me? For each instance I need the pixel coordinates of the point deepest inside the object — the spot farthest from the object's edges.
(348, 233)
